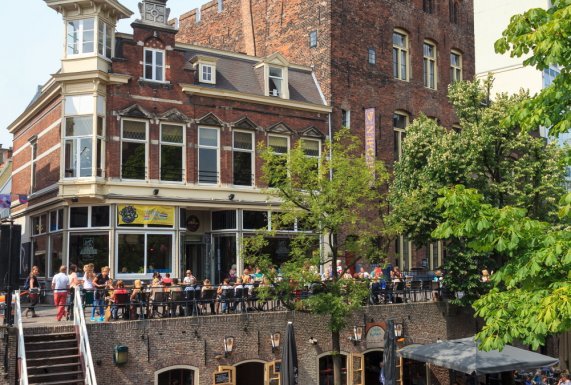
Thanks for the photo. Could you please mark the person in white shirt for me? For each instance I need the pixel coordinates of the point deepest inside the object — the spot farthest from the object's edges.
(189, 278)
(60, 286)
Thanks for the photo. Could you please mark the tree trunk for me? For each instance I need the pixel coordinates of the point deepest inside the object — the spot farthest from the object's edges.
(336, 344)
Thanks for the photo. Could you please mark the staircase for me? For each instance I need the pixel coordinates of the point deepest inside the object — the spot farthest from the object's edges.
(53, 359)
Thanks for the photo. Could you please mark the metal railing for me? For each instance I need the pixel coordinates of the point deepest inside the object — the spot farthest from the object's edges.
(84, 347)
(22, 365)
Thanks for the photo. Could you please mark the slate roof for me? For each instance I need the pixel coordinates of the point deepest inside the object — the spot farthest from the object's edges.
(239, 74)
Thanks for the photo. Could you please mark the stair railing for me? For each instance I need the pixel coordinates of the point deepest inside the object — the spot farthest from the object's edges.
(84, 347)
(22, 365)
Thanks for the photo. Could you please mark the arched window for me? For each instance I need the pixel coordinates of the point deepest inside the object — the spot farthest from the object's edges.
(179, 374)
(453, 6)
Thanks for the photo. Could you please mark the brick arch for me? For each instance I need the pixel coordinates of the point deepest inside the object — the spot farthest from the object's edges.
(174, 367)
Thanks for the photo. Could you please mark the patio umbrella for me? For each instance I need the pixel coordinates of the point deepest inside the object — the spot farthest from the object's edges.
(464, 356)
(390, 363)
(289, 358)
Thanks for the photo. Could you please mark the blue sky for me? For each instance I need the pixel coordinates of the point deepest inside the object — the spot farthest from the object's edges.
(33, 44)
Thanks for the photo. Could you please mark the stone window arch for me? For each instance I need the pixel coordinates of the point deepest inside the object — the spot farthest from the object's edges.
(181, 373)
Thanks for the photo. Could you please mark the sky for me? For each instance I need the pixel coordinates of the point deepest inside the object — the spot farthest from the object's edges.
(33, 47)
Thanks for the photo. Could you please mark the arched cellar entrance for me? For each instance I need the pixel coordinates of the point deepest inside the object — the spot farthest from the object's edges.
(372, 369)
(250, 373)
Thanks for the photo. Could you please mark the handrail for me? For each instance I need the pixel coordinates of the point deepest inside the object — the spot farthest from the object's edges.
(21, 345)
(84, 347)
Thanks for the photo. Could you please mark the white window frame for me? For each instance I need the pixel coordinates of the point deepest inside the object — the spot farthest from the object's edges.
(203, 79)
(145, 142)
(372, 56)
(455, 70)
(400, 131)
(399, 51)
(173, 144)
(276, 79)
(217, 148)
(347, 122)
(312, 140)
(89, 216)
(153, 64)
(252, 155)
(438, 256)
(81, 38)
(146, 233)
(34, 158)
(313, 39)
(105, 38)
(280, 136)
(430, 66)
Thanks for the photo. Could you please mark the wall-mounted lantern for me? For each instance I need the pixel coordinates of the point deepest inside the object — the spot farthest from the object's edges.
(357, 334)
(275, 338)
(120, 355)
(228, 345)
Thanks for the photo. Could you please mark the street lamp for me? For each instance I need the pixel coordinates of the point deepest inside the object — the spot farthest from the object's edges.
(357, 334)
(228, 345)
(398, 330)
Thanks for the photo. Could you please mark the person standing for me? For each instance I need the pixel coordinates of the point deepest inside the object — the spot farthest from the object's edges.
(60, 286)
(33, 287)
(73, 283)
(100, 283)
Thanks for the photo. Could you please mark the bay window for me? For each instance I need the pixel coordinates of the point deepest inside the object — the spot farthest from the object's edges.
(80, 136)
(104, 39)
(80, 36)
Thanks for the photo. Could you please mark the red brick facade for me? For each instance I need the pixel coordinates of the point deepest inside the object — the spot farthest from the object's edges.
(346, 30)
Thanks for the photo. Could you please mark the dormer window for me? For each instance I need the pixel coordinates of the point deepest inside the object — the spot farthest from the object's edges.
(154, 65)
(206, 68)
(276, 81)
(275, 69)
(80, 37)
(207, 74)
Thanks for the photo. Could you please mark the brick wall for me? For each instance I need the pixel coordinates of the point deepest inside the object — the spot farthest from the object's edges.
(8, 335)
(161, 98)
(198, 341)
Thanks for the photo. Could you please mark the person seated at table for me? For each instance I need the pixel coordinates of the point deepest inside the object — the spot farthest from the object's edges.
(564, 380)
(188, 278)
(245, 273)
(207, 287)
(136, 299)
(396, 275)
(156, 279)
(119, 289)
(167, 280)
(363, 274)
(258, 275)
(232, 273)
(189, 283)
(222, 290)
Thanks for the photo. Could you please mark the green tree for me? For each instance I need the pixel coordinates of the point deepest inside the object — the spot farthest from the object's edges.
(542, 36)
(508, 166)
(339, 198)
(530, 295)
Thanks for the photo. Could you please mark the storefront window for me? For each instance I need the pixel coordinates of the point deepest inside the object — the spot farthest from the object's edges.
(255, 220)
(225, 255)
(39, 253)
(95, 216)
(89, 248)
(56, 251)
(144, 253)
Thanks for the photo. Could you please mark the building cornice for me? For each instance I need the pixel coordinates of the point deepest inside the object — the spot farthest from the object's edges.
(266, 100)
(110, 78)
(49, 91)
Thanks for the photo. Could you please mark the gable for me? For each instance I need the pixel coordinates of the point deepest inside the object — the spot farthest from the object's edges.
(280, 128)
(210, 119)
(245, 124)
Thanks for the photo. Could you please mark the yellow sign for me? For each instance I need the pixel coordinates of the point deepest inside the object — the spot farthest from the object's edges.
(145, 215)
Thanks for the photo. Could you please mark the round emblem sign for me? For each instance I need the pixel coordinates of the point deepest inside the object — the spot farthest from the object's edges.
(192, 223)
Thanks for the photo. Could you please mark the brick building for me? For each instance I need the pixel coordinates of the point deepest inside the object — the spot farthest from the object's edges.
(140, 153)
(396, 57)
